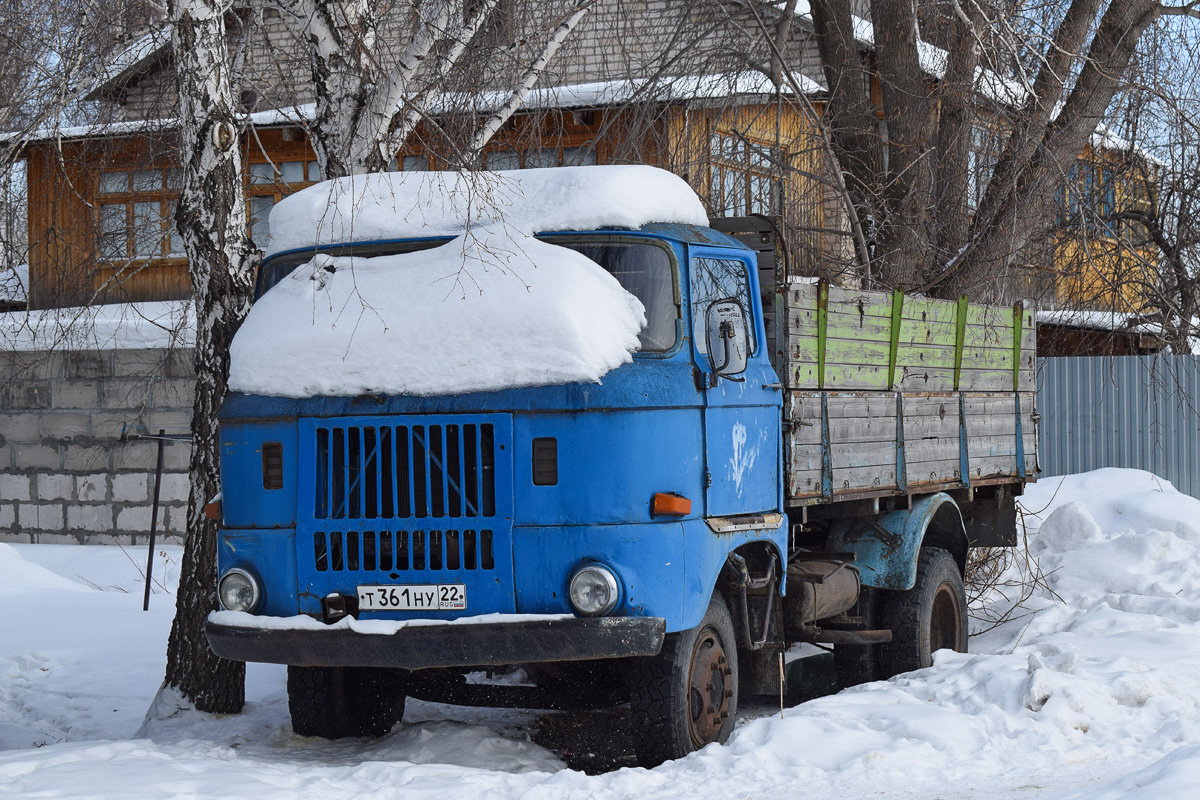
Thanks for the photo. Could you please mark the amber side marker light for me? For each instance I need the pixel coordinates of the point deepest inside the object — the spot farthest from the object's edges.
(213, 510)
(669, 504)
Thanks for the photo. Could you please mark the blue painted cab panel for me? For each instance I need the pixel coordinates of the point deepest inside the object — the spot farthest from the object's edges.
(245, 503)
(610, 463)
(270, 555)
(666, 570)
(408, 490)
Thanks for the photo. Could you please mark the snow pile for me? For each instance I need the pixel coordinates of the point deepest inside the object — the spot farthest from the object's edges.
(17, 573)
(103, 327)
(488, 311)
(404, 205)
(1090, 690)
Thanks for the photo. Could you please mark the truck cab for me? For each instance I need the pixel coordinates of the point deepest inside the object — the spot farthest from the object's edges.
(590, 521)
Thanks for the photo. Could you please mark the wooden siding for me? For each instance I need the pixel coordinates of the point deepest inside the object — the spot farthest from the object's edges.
(64, 201)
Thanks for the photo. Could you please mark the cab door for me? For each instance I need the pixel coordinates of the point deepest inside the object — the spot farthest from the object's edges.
(742, 396)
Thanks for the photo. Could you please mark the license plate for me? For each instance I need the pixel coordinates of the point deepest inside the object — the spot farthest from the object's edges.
(413, 597)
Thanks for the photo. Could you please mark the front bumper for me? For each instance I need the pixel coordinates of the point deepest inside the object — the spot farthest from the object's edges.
(449, 645)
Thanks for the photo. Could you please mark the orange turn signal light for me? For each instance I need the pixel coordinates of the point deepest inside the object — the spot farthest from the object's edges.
(213, 510)
(670, 504)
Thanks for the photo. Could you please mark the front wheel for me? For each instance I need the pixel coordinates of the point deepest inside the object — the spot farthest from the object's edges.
(929, 617)
(686, 696)
(337, 702)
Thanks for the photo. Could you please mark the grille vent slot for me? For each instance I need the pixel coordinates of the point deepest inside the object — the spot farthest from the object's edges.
(405, 471)
(388, 551)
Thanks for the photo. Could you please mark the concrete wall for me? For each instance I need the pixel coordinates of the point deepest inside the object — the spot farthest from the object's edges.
(72, 468)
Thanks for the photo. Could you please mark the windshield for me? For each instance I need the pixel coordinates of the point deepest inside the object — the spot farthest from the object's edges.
(645, 270)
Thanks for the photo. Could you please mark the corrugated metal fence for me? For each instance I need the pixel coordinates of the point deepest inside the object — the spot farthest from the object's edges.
(1141, 412)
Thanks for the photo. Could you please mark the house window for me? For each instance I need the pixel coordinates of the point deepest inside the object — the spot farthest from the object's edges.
(742, 177)
(1136, 197)
(981, 162)
(1088, 199)
(535, 158)
(136, 215)
(269, 183)
(408, 164)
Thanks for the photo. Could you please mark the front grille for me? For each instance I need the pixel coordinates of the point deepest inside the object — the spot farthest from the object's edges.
(388, 551)
(405, 471)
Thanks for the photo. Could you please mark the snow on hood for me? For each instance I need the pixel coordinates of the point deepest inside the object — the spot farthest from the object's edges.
(404, 205)
(492, 309)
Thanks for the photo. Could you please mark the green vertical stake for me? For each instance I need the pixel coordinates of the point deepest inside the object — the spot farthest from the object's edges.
(894, 346)
(960, 337)
(822, 330)
(1018, 315)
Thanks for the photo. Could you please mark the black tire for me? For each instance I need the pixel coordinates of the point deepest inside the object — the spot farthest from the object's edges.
(928, 617)
(339, 702)
(858, 663)
(686, 696)
(602, 683)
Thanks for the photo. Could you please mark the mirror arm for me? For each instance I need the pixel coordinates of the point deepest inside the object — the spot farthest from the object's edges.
(725, 331)
(726, 335)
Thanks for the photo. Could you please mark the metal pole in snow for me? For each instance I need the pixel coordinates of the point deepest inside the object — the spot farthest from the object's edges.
(162, 443)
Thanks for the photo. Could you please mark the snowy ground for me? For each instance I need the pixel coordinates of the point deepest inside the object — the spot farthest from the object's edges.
(1092, 689)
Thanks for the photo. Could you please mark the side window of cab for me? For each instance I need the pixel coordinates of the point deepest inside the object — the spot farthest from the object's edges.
(722, 315)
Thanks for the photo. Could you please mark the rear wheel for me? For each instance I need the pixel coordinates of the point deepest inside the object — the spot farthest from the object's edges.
(338, 702)
(929, 617)
(686, 696)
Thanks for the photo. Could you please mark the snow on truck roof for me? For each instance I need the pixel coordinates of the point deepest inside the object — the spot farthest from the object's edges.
(491, 309)
(404, 205)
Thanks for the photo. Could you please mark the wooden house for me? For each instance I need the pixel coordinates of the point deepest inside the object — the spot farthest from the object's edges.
(637, 83)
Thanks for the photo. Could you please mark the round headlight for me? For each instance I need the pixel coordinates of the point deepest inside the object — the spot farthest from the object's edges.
(594, 590)
(238, 591)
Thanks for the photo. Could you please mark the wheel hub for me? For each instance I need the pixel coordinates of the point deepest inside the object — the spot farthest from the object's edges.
(944, 620)
(709, 691)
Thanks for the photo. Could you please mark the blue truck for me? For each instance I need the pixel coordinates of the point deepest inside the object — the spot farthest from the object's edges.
(784, 460)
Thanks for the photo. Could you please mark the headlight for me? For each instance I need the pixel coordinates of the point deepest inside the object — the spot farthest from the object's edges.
(239, 591)
(594, 590)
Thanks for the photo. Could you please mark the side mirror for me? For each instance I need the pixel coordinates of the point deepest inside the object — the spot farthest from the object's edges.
(725, 327)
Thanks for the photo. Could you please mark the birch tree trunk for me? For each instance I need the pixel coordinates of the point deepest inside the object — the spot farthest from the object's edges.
(366, 108)
(211, 217)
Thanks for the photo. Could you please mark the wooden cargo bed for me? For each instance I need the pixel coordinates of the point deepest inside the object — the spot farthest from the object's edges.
(887, 394)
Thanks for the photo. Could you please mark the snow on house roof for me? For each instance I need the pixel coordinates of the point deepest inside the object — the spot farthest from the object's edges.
(399, 205)
(594, 94)
(1105, 139)
(1098, 320)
